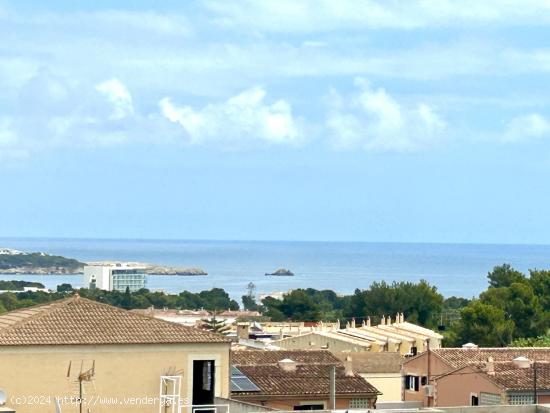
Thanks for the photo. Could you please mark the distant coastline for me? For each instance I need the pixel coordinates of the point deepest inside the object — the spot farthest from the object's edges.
(14, 262)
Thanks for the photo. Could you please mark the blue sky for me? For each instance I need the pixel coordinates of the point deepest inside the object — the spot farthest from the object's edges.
(276, 120)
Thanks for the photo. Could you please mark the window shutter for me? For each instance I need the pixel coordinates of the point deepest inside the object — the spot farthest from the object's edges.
(416, 380)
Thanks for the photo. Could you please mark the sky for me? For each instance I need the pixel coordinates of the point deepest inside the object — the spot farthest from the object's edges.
(368, 120)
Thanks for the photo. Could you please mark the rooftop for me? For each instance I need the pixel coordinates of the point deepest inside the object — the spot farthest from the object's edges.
(77, 321)
(460, 357)
(369, 362)
(312, 379)
(309, 377)
(254, 357)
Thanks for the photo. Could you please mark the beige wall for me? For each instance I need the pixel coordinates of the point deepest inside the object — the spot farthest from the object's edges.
(319, 342)
(389, 384)
(120, 371)
(456, 389)
(288, 403)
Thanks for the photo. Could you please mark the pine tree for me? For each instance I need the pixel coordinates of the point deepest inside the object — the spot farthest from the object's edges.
(215, 325)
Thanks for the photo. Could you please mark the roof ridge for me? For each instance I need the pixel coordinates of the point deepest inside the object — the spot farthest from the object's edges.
(52, 305)
(134, 314)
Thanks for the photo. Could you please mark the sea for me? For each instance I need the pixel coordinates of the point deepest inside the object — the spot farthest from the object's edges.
(455, 269)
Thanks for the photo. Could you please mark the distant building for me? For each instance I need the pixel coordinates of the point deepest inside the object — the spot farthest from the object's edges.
(400, 336)
(382, 370)
(114, 276)
(195, 317)
(78, 347)
(472, 376)
(298, 380)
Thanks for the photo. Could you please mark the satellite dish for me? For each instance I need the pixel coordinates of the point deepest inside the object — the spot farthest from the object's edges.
(2, 397)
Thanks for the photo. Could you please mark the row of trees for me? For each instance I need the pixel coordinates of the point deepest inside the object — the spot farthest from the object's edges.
(213, 300)
(421, 303)
(515, 309)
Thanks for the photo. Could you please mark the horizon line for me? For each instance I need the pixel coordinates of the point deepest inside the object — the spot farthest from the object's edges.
(60, 238)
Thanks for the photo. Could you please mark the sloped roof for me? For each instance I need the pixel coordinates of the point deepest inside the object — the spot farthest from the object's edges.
(506, 375)
(459, 357)
(513, 378)
(254, 357)
(307, 379)
(77, 320)
(370, 362)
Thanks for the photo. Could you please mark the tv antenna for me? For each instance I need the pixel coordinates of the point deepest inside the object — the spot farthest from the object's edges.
(84, 375)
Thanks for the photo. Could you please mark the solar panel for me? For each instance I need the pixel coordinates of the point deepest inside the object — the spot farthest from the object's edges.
(239, 382)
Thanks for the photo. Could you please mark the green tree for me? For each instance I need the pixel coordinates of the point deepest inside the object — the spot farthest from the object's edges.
(540, 282)
(521, 305)
(540, 341)
(484, 325)
(215, 325)
(64, 288)
(504, 276)
(217, 299)
(420, 302)
(249, 299)
(272, 309)
(296, 305)
(126, 301)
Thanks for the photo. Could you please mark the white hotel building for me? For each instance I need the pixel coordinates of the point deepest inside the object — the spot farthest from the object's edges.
(114, 276)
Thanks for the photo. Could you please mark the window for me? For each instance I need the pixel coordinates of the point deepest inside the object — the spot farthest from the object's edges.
(414, 351)
(424, 380)
(412, 382)
(517, 399)
(359, 404)
(489, 399)
(310, 406)
(474, 400)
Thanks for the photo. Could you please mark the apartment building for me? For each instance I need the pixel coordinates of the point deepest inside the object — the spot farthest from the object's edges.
(114, 276)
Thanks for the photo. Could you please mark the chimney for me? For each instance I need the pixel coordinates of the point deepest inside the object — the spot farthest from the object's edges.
(287, 365)
(389, 320)
(348, 366)
(383, 321)
(353, 323)
(490, 366)
(243, 330)
(402, 317)
(347, 325)
(398, 318)
(368, 322)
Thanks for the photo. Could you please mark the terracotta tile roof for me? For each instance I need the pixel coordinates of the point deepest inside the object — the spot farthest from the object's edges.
(307, 379)
(459, 357)
(311, 375)
(254, 357)
(513, 378)
(78, 320)
(369, 362)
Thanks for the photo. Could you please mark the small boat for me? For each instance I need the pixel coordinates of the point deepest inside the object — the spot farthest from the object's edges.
(281, 272)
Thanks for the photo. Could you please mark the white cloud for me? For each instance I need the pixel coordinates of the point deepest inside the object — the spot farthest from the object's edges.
(119, 97)
(57, 112)
(241, 119)
(329, 15)
(526, 127)
(374, 120)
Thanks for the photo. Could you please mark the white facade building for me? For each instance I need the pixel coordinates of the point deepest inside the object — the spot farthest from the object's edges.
(114, 276)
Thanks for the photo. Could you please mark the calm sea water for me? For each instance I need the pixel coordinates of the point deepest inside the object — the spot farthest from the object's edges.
(456, 269)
